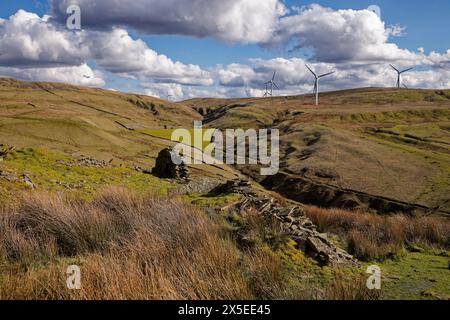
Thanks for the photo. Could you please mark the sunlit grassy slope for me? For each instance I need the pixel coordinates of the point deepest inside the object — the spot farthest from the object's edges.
(53, 124)
(384, 142)
(79, 119)
(196, 136)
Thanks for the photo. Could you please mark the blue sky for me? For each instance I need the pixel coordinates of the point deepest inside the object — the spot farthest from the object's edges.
(425, 22)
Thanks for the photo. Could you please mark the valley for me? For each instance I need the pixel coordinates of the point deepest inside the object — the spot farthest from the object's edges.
(376, 157)
(389, 145)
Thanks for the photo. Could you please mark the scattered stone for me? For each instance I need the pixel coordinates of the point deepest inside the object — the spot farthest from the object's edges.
(430, 293)
(199, 185)
(27, 180)
(69, 186)
(326, 253)
(167, 169)
(11, 177)
(88, 162)
(5, 151)
(234, 186)
(294, 222)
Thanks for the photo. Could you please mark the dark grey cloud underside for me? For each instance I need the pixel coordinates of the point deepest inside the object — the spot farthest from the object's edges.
(195, 18)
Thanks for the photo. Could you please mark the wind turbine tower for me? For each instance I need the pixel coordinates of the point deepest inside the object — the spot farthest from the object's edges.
(266, 93)
(316, 83)
(399, 75)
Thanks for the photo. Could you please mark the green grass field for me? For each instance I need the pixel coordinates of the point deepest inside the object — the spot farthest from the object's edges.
(194, 134)
(417, 276)
(53, 171)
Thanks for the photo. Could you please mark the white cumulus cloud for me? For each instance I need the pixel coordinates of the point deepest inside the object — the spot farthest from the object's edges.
(32, 47)
(28, 40)
(340, 36)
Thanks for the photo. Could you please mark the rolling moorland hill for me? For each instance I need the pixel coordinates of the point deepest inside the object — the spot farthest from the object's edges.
(386, 149)
(56, 126)
(63, 147)
(70, 117)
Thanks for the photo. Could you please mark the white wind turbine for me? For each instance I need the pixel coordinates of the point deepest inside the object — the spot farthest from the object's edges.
(316, 83)
(271, 84)
(399, 73)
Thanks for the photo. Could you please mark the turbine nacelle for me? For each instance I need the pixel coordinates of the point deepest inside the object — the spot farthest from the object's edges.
(399, 75)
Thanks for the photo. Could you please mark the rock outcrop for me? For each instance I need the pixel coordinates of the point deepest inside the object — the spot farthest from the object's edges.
(5, 151)
(294, 222)
(88, 162)
(12, 177)
(28, 182)
(167, 169)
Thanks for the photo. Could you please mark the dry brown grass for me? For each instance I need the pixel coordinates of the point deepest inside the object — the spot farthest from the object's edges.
(129, 247)
(372, 237)
(137, 247)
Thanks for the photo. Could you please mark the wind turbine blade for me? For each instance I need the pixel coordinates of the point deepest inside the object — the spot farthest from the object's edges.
(407, 70)
(276, 86)
(315, 87)
(311, 71)
(327, 74)
(274, 74)
(394, 68)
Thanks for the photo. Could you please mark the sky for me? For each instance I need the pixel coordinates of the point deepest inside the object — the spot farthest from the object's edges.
(181, 49)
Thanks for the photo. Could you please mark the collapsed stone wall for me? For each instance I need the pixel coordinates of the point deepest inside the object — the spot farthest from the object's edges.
(294, 222)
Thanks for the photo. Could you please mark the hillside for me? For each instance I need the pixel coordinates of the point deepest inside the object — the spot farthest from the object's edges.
(378, 148)
(382, 148)
(75, 187)
(56, 126)
(95, 119)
